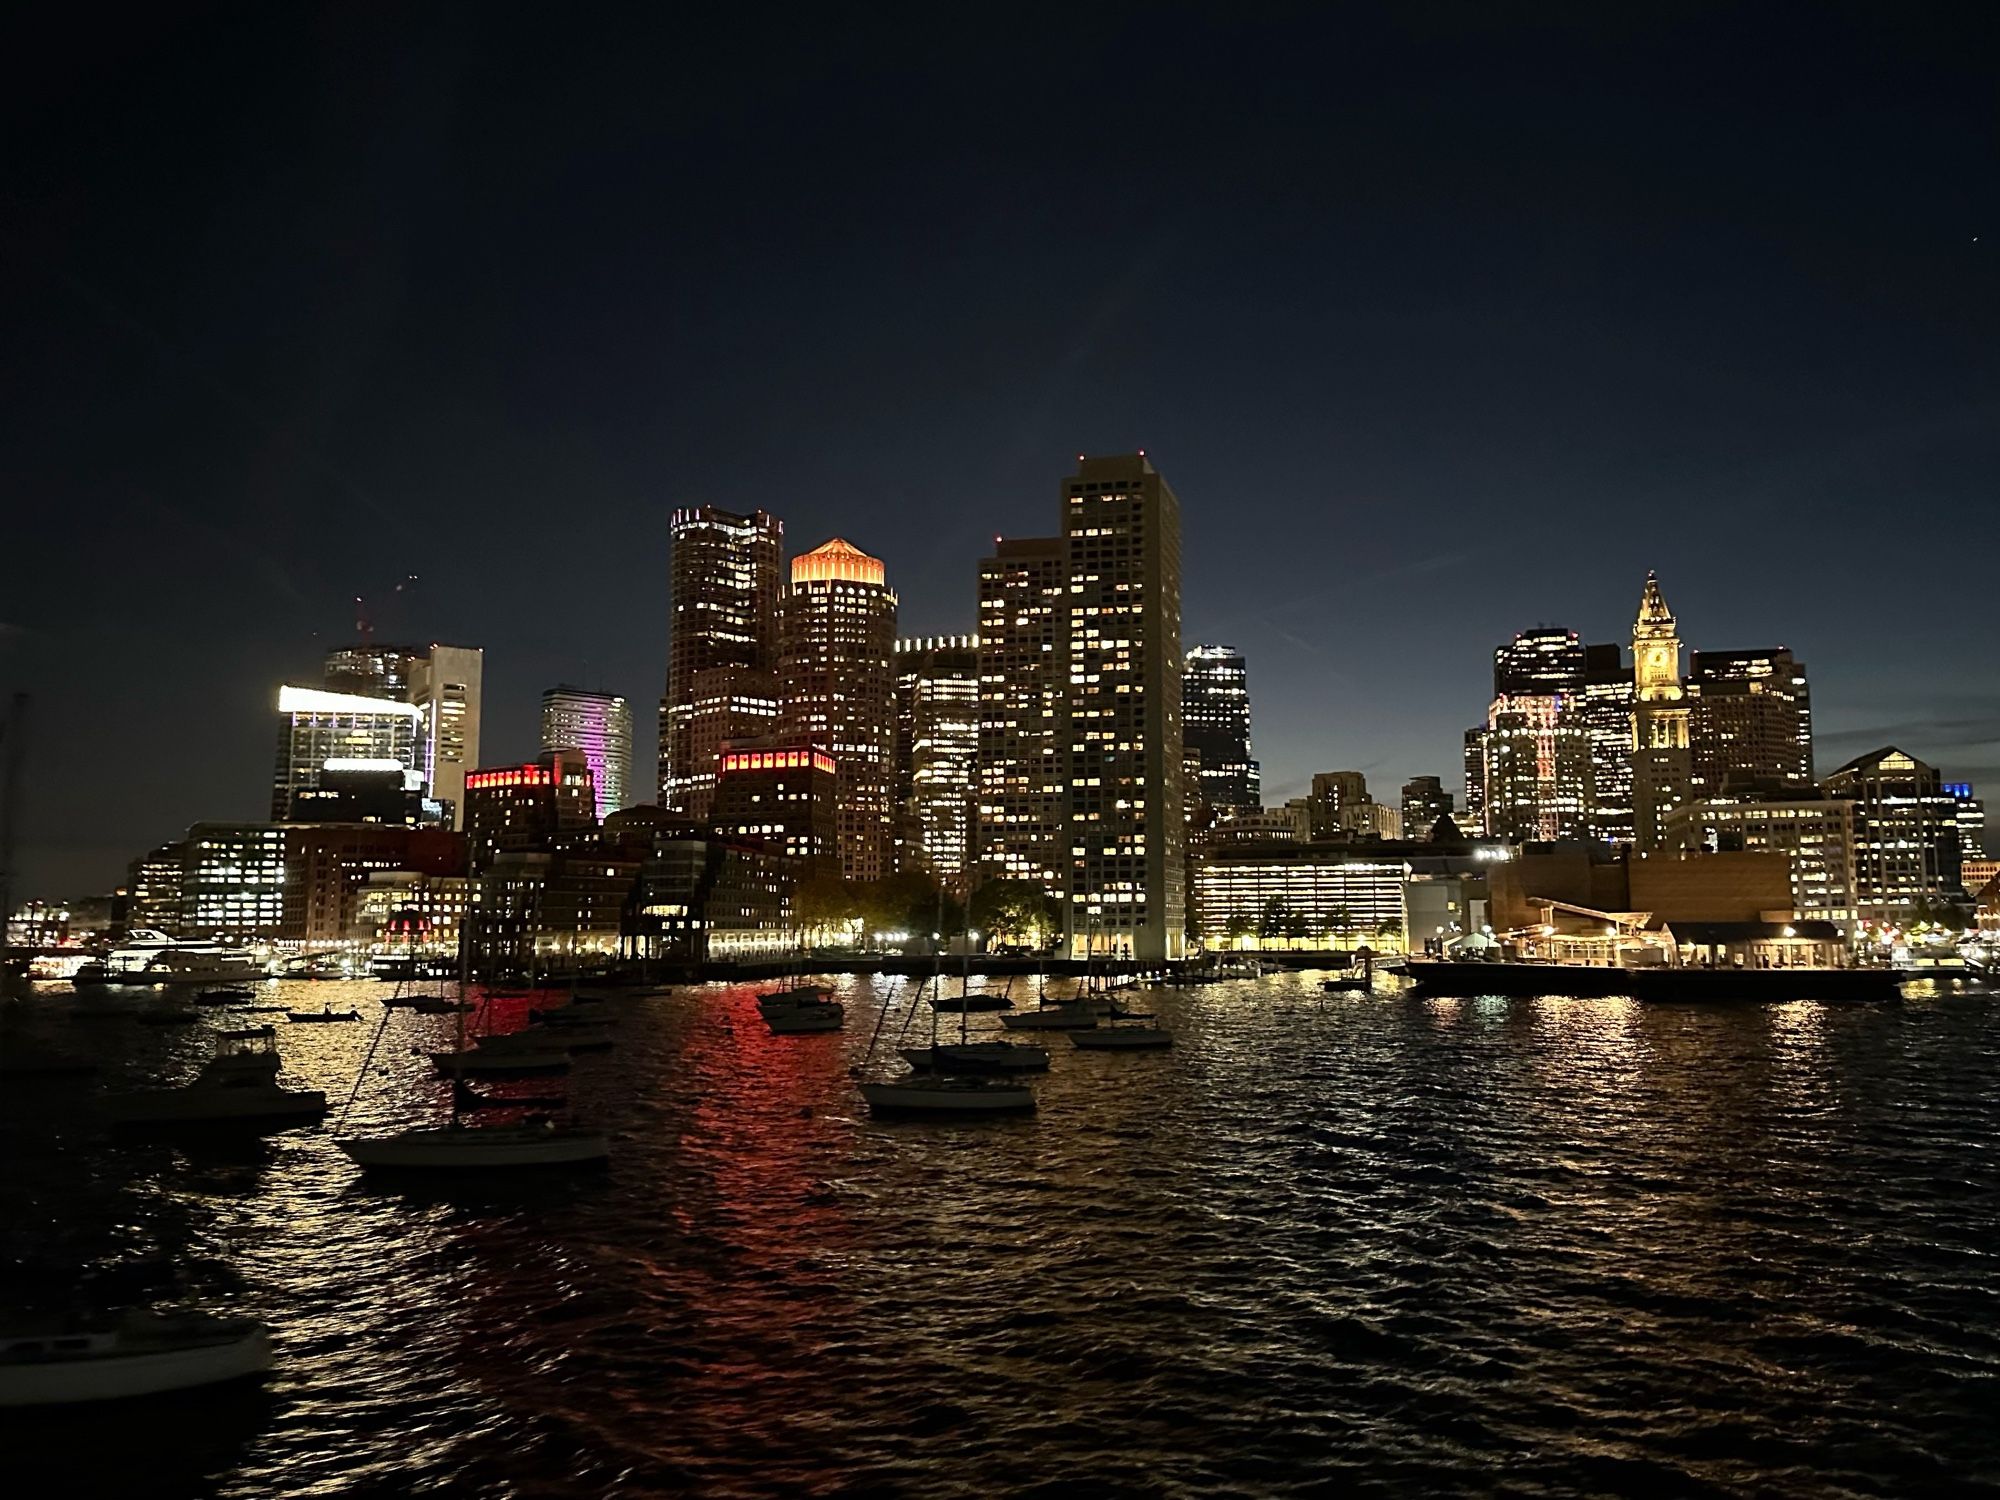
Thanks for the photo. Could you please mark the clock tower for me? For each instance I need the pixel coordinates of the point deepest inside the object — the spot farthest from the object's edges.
(1662, 770)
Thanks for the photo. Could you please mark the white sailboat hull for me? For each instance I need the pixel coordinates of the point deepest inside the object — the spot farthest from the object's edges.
(121, 1374)
(478, 1149)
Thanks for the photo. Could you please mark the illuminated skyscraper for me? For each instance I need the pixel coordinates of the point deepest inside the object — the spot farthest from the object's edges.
(1662, 767)
(1607, 717)
(1533, 772)
(1122, 729)
(937, 750)
(1750, 720)
(600, 726)
(1023, 677)
(445, 685)
(1215, 721)
(722, 655)
(836, 690)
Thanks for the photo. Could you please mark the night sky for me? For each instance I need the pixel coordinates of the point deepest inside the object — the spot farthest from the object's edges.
(1441, 325)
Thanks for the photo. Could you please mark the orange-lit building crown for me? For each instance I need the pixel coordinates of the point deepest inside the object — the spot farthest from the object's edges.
(838, 560)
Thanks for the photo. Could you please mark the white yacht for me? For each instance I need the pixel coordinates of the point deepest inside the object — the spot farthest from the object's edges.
(144, 1355)
(149, 956)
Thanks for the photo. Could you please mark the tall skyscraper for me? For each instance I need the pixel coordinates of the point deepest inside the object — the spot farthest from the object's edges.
(836, 689)
(316, 727)
(1023, 682)
(446, 686)
(1662, 765)
(1749, 720)
(599, 725)
(1122, 543)
(937, 751)
(444, 683)
(1533, 755)
(1607, 697)
(1540, 662)
(1425, 801)
(1215, 721)
(722, 656)
(371, 669)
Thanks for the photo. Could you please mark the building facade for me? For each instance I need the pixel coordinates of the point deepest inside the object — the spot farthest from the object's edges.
(1906, 840)
(1815, 832)
(1302, 895)
(1215, 724)
(446, 687)
(722, 653)
(1333, 792)
(1749, 722)
(1606, 696)
(784, 796)
(233, 882)
(836, 690)
(1020, 825)
(1425, 801)
(1662, 763)
(937, 753)
(598, 726)
(316, 726)
(1127, 821)
(515, 809)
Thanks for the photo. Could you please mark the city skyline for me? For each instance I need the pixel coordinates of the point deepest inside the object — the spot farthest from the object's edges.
(1360, 380)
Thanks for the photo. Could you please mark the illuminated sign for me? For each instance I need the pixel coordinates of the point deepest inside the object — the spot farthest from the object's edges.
(512, 776)
(777, 760)
(381, 764)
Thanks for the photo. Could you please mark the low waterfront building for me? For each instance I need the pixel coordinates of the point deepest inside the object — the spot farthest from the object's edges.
(328, 867)
(1757, 945)
(552, 909)
(709, 899)
(1308, 896)
(412, 911)
(1815, 832)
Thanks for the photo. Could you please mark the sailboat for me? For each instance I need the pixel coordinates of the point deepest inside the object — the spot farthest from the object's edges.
(993, 1055)
(1132, 1032)
(457, 1146)
(940, 1092)
(801, 1009)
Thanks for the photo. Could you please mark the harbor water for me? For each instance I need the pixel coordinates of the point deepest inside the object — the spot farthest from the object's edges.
(1327, 1244)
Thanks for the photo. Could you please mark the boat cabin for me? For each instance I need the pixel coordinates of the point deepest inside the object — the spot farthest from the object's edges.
(1757, 945)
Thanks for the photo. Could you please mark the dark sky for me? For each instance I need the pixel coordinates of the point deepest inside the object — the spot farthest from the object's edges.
(1441, 324)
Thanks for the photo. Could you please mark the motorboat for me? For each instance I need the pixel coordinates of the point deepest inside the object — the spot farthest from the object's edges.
(459, 1147)
(325, 1014)
(947, 1094)
(1135, 1034)
(238, 1086)
(429, 1005)
(144, 1354)
(979, 1057)
(149, 956)
(1067, 1015)
(227, 996)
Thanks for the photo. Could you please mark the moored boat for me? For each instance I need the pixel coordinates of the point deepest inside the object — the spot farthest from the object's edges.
(1147, 1035)
(947, 1094)
(979, 1057)
(143, 1355)
(1067, 1015)
(458, 1147)
(306, 1017)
